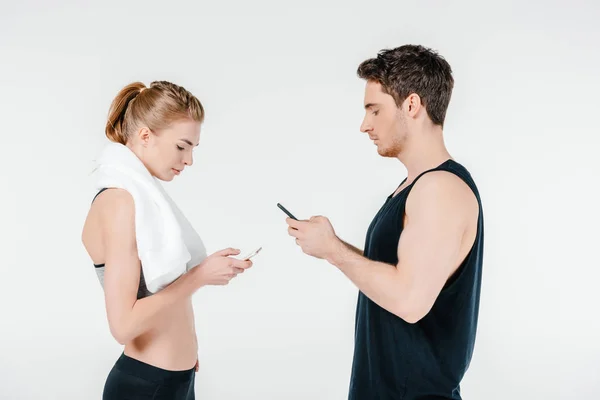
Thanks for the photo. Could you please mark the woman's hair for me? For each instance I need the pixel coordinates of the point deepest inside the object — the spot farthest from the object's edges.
(156, 107)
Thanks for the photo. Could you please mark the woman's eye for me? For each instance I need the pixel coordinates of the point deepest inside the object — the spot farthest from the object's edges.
(180, 148)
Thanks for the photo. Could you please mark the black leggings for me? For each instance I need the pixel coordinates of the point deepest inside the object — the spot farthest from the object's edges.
(131, 379)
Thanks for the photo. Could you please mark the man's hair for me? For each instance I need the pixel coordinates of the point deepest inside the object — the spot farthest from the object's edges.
(412, 69)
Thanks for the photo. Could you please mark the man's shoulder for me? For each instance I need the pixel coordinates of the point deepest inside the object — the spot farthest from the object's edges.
(442, 189)
(441, 182)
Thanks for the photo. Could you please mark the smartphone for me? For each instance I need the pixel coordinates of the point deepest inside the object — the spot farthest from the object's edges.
(286, 211)
(249, 256)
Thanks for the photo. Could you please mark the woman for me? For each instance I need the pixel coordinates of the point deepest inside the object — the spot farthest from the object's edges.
(154, 129)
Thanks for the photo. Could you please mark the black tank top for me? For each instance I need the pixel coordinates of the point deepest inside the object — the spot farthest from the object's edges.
(397, 360)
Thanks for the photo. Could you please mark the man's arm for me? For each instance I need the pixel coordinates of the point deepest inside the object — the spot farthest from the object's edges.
(438, 210)
(352, 248)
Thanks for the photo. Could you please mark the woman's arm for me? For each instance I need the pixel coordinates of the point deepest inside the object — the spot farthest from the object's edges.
(127, 316)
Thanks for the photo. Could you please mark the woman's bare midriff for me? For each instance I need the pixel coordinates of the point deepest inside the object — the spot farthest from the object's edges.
(172, 344)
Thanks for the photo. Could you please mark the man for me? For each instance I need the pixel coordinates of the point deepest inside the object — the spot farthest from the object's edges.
(419, 275)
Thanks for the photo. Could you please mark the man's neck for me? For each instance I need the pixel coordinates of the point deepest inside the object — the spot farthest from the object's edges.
(426, 151)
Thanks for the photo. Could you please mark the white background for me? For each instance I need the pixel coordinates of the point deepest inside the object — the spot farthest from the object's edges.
(283, 108)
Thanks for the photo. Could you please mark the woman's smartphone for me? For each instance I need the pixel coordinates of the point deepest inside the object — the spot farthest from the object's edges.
(249, 256)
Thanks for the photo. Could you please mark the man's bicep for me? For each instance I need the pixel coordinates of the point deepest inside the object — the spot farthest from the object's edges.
(431, 239)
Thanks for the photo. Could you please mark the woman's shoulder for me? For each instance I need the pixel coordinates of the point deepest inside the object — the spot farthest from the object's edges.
(111, 201)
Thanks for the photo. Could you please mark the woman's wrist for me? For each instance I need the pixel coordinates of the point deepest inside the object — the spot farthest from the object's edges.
(197, 276)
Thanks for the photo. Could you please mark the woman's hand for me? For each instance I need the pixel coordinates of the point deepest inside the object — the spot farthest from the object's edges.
(219, 268)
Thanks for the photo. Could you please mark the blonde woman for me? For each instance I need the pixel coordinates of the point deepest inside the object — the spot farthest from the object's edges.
(148, 287)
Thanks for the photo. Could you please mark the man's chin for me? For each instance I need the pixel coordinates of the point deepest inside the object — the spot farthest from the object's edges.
(386, 153)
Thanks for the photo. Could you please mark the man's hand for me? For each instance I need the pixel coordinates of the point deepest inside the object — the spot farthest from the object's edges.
(316, 236)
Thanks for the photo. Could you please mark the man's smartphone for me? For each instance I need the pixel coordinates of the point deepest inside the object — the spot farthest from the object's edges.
(286, 211)
(249, 256)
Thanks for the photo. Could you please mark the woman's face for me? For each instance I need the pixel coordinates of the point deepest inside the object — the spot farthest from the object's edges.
(168, 152)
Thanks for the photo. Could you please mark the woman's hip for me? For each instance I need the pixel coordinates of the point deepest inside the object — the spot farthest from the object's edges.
(132, 379)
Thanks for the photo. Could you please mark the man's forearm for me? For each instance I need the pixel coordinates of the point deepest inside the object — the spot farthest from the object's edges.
(354, 249)
(379, 281)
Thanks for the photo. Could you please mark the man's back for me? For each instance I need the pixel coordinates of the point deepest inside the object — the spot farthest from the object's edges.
(395, 359)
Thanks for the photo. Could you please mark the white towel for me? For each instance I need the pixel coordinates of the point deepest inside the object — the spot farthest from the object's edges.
(167, 244)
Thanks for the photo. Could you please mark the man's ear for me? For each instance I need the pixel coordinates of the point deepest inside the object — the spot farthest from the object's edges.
(413, 105)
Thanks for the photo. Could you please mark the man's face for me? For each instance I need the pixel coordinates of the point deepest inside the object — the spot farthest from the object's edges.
(384, 122)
